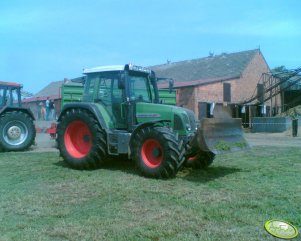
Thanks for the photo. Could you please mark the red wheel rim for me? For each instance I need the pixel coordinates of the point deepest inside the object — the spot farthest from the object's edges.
(151, 153)
(192, 158)
(78, 139)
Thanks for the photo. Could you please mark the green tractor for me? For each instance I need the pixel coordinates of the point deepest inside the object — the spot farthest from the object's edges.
(121, 113)
(17, 130)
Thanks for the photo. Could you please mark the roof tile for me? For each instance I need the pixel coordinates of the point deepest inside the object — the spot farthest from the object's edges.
(212, 67)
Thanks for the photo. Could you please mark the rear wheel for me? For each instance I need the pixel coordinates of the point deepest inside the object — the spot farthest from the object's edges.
(156, 152)
(81, 141)
(201, 160)
(17, 131)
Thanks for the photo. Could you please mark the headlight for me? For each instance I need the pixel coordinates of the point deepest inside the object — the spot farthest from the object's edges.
(139, 68)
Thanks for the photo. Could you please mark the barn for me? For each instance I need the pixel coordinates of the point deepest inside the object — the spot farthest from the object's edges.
(229, 79)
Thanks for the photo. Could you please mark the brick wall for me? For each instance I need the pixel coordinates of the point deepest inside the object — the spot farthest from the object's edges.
(186, 97)
(242, 88)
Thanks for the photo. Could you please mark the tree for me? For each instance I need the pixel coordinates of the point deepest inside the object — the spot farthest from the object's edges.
(279, 69)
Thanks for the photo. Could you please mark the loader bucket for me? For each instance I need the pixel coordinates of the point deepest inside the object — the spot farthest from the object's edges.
(220, 135)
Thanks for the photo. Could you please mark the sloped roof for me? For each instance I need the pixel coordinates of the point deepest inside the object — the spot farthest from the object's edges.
(291, 79)
(10, 84)
(208, 69)
(51, 89)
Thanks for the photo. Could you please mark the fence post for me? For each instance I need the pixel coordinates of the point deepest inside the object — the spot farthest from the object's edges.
(295, 127)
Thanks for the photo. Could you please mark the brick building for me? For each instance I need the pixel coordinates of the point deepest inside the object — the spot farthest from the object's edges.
(230, 79)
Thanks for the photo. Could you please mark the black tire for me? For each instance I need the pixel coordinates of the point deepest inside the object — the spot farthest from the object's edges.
(81, 141)
(17, 131)
(201, 160)
(156, 152)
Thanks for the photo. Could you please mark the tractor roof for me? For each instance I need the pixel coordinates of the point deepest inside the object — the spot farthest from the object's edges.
(10, 84)
(117, 68)
(104, 69)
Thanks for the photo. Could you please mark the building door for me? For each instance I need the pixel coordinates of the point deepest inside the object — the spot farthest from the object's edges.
(203, 110)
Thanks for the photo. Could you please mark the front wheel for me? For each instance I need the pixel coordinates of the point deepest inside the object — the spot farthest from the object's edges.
(156, 152)
(17, 131)
(81, 141)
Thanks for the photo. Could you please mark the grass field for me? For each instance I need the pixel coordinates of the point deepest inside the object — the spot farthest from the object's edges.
(42, 199)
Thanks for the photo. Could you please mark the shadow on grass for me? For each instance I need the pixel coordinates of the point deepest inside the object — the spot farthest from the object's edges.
(121, 163)
(113, 163)
(61, 163)
(128, 166)
(206, 175)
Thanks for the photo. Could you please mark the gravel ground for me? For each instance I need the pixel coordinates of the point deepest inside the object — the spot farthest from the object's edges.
(44, 143)
(273, 139)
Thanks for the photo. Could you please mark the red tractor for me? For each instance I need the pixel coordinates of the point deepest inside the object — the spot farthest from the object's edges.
(17, 130)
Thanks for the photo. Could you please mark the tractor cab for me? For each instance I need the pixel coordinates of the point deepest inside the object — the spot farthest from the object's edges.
(119, 89)
(10, 94)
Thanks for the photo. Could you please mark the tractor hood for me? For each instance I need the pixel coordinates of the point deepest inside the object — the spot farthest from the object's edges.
(181, 119)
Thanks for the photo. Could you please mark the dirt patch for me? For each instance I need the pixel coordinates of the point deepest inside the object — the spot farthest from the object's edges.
(44, 143)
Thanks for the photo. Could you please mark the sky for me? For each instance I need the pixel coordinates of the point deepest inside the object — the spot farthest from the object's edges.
(45, 41)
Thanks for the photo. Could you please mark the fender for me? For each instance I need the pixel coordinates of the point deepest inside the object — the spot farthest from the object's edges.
(91, 107)
(20, 109)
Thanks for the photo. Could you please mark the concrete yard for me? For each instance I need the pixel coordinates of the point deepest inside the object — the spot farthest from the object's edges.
(273, 139)
(45, 143)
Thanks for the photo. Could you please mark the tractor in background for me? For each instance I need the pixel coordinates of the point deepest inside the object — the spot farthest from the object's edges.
(121, 113)
(17, 130)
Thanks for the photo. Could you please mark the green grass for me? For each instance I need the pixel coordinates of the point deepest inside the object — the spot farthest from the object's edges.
(42, 199)
(227, 146)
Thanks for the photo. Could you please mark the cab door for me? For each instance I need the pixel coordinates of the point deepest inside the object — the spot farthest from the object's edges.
(110, 96)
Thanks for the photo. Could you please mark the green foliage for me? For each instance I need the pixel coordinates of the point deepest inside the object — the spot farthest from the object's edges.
(42, 199)
(293, 113)
(279, 69)
(227, 146)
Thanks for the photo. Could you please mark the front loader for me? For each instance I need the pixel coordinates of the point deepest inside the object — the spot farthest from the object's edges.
(120, 113)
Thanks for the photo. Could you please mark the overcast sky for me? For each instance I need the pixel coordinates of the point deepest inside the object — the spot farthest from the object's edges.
(45, 41)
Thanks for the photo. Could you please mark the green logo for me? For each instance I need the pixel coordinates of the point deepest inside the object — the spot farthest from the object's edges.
(281, 229)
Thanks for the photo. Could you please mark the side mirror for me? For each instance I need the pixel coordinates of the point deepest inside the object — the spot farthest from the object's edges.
(170, 85)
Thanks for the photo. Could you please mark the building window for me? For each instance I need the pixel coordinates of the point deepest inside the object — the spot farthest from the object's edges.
(227, 92)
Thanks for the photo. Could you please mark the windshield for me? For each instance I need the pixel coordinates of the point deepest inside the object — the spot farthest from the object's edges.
(139, 88)
(14, 97)
(9, 96)
(2, 97)
(103, 86)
